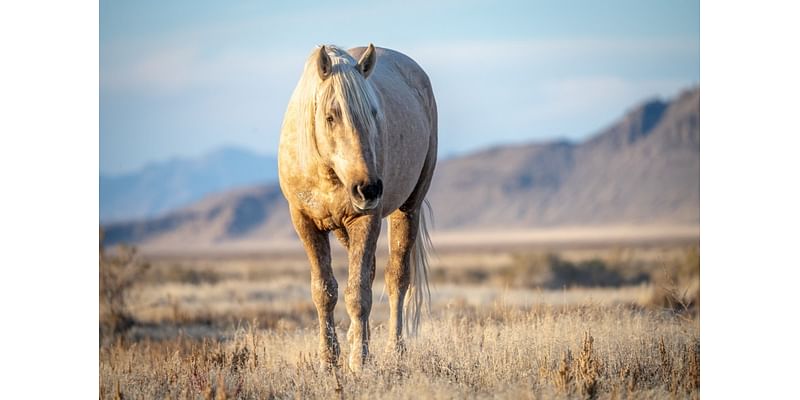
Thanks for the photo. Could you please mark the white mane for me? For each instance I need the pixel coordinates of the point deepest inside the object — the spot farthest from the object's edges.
(347, 87)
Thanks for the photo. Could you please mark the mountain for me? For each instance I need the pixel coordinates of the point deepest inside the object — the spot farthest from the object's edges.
(240, 213)
(642, 170)
(164, 186)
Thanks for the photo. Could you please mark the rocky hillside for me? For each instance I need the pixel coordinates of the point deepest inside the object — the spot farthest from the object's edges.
(644, 169)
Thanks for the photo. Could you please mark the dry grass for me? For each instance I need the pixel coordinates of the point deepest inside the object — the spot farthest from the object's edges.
(246, 328)
(463, 352)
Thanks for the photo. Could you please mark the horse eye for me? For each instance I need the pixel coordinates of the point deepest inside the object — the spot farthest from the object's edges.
(374, 112)
(329, 118)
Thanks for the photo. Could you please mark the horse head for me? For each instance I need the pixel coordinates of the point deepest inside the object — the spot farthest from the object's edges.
(346, 123)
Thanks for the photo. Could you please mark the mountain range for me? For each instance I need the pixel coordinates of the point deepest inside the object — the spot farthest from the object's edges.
(164, 186)
(641, 170)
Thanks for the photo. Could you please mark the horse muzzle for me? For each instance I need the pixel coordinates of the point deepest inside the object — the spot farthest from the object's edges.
(365, 196)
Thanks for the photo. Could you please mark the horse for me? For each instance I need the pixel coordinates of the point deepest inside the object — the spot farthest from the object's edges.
(358, 144)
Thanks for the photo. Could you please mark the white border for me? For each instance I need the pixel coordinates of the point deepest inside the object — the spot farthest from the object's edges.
(749, 198)
(750, 177)
(49, 180)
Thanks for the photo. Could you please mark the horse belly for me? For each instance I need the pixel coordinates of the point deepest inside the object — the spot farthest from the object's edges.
(405, 156)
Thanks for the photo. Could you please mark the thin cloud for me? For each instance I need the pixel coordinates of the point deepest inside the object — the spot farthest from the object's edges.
(486, 53)
(576, 96)
(176, 69)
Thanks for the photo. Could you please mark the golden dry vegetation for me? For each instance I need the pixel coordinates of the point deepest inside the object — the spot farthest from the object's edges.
(599, 322)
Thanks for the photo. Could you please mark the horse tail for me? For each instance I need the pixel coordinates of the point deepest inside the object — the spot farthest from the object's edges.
(419, 293)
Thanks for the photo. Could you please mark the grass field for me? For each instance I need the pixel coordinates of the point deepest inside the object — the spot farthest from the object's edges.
(583, 322)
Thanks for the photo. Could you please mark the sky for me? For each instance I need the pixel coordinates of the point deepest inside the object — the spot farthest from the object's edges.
(183, 78)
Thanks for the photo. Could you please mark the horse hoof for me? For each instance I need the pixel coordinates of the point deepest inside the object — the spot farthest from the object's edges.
(398, 347)
(356, 363)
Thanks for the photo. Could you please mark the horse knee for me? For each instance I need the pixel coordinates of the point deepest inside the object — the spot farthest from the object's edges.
(359, 301)
(325, 294)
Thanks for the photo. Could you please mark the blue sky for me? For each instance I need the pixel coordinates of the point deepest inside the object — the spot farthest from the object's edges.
(182, 78)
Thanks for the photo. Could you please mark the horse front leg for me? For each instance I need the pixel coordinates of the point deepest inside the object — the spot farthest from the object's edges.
(363, 235)
(324, 289)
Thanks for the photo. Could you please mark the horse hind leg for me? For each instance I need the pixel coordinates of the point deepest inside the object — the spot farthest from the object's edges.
(408, 246)
(403, 226)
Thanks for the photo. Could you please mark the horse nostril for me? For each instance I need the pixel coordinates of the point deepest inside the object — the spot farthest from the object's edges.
(370, 191)
(378, 188)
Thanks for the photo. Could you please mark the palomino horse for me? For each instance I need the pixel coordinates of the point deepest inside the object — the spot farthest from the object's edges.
(358, 144)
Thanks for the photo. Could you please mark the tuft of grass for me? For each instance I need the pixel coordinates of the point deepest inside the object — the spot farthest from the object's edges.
(677, 284)
(589, 368)
(562, 379)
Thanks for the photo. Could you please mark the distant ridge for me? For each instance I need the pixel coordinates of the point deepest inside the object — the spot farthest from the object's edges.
(643, 170)
(163, 186)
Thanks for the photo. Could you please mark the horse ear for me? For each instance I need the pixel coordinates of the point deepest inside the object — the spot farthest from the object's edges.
(367, 62)
(323, 63)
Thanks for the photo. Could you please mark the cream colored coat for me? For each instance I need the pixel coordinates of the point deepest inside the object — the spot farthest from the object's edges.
(358, 144)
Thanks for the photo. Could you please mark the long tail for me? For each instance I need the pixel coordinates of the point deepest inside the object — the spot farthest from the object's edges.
(419, 293)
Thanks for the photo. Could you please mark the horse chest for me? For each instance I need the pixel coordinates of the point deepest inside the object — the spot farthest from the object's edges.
(327, 208)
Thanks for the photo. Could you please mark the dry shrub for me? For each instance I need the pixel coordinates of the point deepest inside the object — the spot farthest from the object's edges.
(589, 368)
(181, 274)
(691, 357)
(677, 284)
(552, 272)
(583, 374)
(629, 376)
(666, 363)
(459, 275)
(119, 271)
(563, 377)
